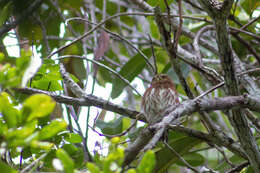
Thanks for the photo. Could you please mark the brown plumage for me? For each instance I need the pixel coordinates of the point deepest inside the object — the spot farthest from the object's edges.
(158, 97)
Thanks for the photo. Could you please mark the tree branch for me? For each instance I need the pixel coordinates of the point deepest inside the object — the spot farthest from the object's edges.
(219, 12)
(88, 100)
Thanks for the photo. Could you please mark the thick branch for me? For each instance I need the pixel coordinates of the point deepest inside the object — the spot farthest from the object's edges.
(88, 100)
(187, 107)
(219, 12)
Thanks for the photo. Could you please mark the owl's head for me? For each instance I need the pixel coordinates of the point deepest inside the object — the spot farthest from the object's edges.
(161, 78)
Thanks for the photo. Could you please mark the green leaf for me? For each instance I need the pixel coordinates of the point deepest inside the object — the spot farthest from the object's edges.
(153, 28)
(37, 106)
(5, 13)
(224, 166)
(76, 153)
(6, 168)
(23, 132)
(148, 162)
(3, 127)
(166, 158)
(45, 84)
(185, 69)
(10, 114)
(110, 128)
(70, 149)
(66, 161)
(129, 71)
(131, 170)
(2, 56)
(160, 3)
(42, 145)
(250, 5)
(194, 159)
(248, 170)
(115, 157)
(23, 62)
(73, 138)
(52, 129)
(79, 68)
(93, 168)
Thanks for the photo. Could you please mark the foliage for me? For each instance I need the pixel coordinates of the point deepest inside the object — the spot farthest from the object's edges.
(35, 126)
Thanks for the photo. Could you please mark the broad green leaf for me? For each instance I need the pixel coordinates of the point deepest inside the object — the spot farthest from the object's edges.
(23, 62)
(45, 84)
(42, 145)
(23, 132)
(76, 153)
(73, 138)
(3, 127)
(148, 162)
(248, 170)
(131, 170)
(126, 123)
(27, 152)
(2, 56)
(165, 158)
(250, 5)
(115, 157)
(110, 128)
(70, 149)
(66, 161)
(6, 168)
(185, 69)
(28, 29)
(79, 68)
(224, 166)
(160, 3)
(48, 160)
(5, 13)
(128, 20)
(52, 129)
(129, 71)
(93, 168)
(10, 114)
(153, 28)
(194, 159)
(37, 106)
(73, 4)
(115, 140)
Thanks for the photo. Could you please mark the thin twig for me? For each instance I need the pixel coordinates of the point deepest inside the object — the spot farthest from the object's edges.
(103, 22)
(255, 121)
(119, 36)
(104, 66)
(154, 57)
(180, 158)
(249, 71)
(196, 42)
(224, 156)
(223, 83)
(236, 30)
(179, 30)
(210, 90)
(238, 168)
(248, 46)
(116, 135)
(26, 169)
(249, 23)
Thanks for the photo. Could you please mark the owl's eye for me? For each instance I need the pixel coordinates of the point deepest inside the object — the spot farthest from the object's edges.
(164, 77)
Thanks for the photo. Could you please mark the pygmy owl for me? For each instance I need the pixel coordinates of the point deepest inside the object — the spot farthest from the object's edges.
(158, 97)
